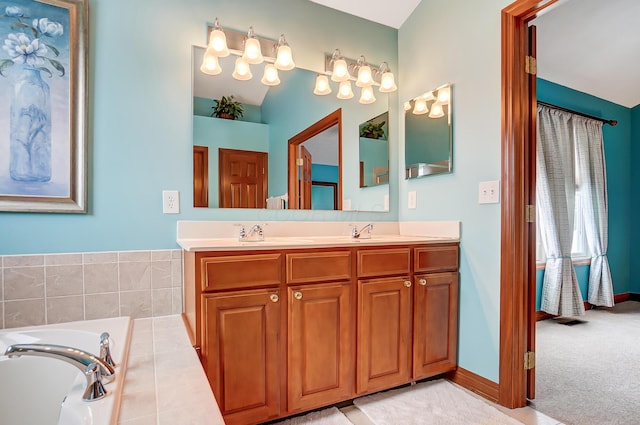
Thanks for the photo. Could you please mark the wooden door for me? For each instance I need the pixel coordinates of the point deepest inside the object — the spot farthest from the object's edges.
(320, 345)
(241, 353)
(200, 176)
(305, 179)
(242, 179)
(384, 333)
(435, 322)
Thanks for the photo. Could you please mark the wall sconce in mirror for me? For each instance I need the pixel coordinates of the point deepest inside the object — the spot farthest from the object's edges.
(429, 133)
(339, 69)
(249, 49)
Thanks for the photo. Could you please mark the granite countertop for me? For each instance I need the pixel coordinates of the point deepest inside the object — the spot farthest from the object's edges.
(164, 382)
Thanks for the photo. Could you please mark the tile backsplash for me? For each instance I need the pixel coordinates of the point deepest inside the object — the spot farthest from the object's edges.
(55, 288)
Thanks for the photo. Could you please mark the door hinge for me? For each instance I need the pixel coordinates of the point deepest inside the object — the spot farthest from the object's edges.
(530, 65)
(530, 214)
(299, 161)
(529, 360)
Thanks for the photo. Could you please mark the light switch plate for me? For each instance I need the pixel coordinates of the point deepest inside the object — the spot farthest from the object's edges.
(412, 200)
(489, 192)
(346, 205)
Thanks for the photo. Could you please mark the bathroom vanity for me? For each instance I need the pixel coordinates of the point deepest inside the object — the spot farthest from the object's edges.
(292, 324)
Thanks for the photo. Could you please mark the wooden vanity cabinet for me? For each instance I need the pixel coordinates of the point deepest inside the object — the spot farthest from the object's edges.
(320, 329)
(286, 331)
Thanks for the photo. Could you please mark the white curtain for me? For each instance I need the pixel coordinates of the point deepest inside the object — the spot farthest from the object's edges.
(593, 181)
(555, 196)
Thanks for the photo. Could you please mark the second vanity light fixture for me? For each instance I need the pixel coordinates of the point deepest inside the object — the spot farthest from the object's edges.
(441, 99)
(248, 48)
(337, 67)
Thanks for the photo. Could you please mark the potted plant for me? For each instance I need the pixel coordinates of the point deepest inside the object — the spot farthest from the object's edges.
(228, 108)
(373, 130)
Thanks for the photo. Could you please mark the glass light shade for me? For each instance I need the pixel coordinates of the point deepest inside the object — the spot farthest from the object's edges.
(322, 85)
(387, 83)
(242, 71)
(210, 64)
(345, 92)
(436, 111)
(218, 43)
(270, 76)
(284, 59)
(444, 95)
(366, 95)
(420, 107)
(252, 51)
(364, 76)
(340, 71)
(407, 106)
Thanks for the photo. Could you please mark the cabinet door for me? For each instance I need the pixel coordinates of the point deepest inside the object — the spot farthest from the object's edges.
(435, 324)
(384, 333)
(241, 353)
(320, 345)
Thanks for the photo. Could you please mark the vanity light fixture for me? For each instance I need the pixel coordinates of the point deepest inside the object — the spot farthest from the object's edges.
(284, 57)
(341, 70)
(407, 106)
(444, 95)
(436, 111)
(270, 77)
(344, 91)
(420, 106)
(250, 49)
(367, 96)
(322, 86)
(441, 99)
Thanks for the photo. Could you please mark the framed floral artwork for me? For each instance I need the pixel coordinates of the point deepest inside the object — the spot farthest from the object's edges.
(43, 113)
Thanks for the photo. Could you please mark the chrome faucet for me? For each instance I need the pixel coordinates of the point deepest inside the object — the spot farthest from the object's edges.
(255, 234)
(105, 350)
(93, 367)
(360, 234)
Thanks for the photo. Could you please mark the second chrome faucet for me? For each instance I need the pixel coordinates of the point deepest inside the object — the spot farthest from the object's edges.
(363, 233)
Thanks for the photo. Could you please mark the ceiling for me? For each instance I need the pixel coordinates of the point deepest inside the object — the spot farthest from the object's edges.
(375, 10)
(592, 46)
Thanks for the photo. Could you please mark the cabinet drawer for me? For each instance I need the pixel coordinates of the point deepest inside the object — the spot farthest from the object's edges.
(241, 271)
(383, 262)
(436, 258)
(318, 266)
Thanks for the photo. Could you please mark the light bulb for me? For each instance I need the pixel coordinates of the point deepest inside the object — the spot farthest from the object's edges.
(210, 64)
(270, 76)
(436, 111)
(242, 71)
(340, 71)
(322, 85)
(284, 57)
(252, 51)
(218, 41)
(366, 95)
(387, 83)
(364, 76)
(345, 92)
(444, 95)
(420, 107)
(407, 106)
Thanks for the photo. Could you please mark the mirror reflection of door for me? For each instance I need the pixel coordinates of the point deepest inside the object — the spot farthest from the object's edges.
(242, 178)
(314, 162)
(200, 176)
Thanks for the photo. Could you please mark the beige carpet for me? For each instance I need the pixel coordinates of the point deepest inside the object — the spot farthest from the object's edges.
(435, 402)
(330, 416)
(587, 373)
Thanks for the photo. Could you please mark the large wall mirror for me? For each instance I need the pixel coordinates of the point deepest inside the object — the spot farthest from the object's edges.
(429, 133)
(274, 119)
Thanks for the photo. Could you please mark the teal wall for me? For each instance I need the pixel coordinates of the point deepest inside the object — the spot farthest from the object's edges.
(458, 42)
(140, 117)
(635, 188)
(322, 196)
(373, 153)
(618, 153)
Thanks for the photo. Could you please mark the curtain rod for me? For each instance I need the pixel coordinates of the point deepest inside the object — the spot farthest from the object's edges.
(612, 123)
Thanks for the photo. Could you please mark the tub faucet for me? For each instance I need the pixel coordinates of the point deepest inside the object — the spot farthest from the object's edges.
(105, 350)
(94, 368)
(360, 234)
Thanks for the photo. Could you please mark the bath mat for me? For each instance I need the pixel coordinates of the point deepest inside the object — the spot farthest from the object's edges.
(331, 416)
(435, 402)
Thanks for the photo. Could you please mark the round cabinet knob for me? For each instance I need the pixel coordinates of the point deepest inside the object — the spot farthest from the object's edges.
(297, 295)
(423, 282)
(407, 283)
(274, 297)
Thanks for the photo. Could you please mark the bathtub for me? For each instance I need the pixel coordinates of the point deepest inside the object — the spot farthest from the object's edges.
(42, 390)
